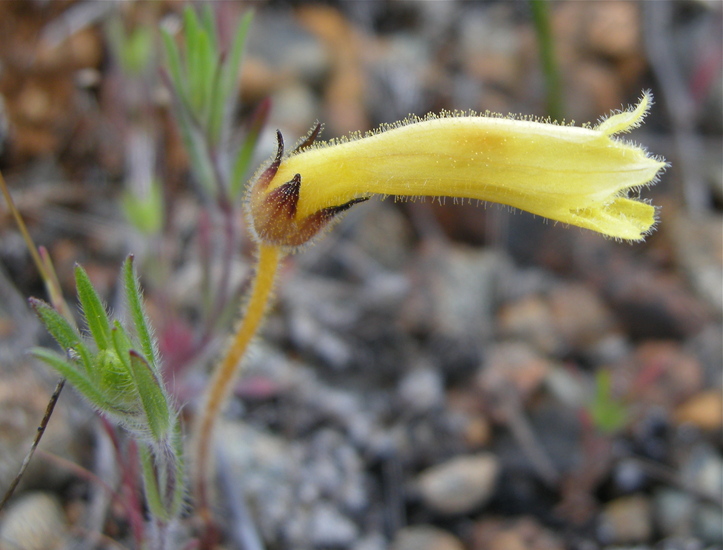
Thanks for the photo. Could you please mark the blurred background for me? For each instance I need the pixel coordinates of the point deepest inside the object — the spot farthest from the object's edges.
(432, 376)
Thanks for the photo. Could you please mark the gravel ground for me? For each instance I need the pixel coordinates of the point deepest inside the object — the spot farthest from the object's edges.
(431, 376)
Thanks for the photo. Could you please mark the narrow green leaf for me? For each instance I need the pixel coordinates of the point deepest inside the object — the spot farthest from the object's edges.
(216, 103)
(202, 74)
(121, 344)
(208, 21)
(146, 386)
(62, 331)
(194, 141)
(153, 398)
(175, 67)
(194, 35)
(201, 161)
(150, 483)
(178, 465)
(209, 69)
(191, 27)
(138, 314)
(232, 62)
(81, 383)
(95, 314)
(225, 94)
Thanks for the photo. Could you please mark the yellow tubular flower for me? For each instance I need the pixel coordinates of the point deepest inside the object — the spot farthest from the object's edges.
(576, 175)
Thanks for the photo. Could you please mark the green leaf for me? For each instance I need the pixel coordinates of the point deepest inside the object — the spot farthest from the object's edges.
(81, 383)
(121, 343)
(201, 162)
(95, 313)
(178, 465)
(608, 413)
(215, 108)
(203, 75)
(115, 379)
(191, 28)
(208, 21)
(138, 316)
(62, 331)
(174, 65)
(150, 484)
(232, 63)
(224, 94)
(147, 384)
(144, 213)
(195, 59)
(153, 398)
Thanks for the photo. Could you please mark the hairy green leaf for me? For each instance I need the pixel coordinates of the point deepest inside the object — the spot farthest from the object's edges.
(153, 398)
(150, 484)
(138, 316)
(62, 331)
(173, 63)
(81, 383)
(95, 314)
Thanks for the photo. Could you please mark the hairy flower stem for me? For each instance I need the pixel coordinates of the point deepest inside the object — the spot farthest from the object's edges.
(221, 383)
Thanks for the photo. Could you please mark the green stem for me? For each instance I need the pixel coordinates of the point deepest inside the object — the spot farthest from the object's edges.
(553, 84)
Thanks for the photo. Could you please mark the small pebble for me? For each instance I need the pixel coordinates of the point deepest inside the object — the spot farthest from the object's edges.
(626, 520)
(330, 528)
(709, 524)
(704, 410)
(524, 533)
(425, 537)
(422, 389)
(508, 540)
(675, 512)
(703, 469)
(35, 521)
(459, 485)
(513, 365)
(373, 541)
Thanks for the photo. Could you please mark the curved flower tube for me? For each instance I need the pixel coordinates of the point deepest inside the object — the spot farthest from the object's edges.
(576, 175)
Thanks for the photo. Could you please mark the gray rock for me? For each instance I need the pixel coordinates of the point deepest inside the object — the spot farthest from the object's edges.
(626, 520)
(703, 469)
(697, 242)
(459, 485)
(262, 464)
(330, 528)
(674, 512)
(373, 541)
(709, 524)
(422, 389)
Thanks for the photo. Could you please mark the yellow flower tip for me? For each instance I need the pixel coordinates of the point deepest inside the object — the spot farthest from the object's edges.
(580, 176)
(627, 119)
